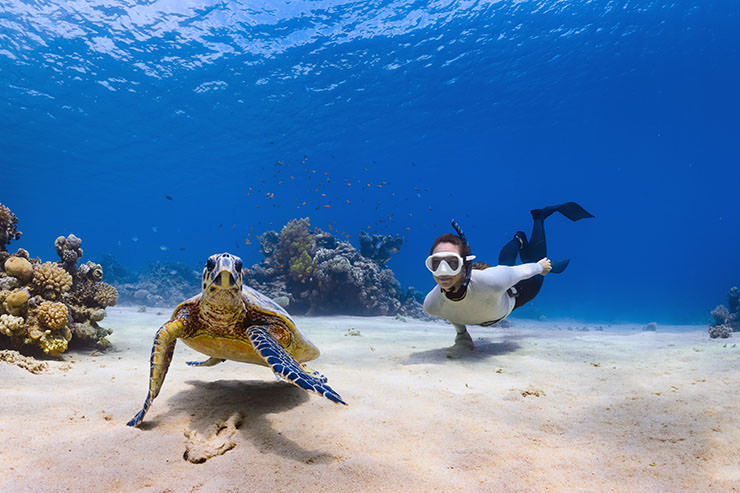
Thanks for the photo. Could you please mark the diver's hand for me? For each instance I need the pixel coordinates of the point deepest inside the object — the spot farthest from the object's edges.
(546, 265)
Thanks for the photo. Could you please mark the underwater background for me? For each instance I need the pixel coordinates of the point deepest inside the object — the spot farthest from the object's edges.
(172, 130)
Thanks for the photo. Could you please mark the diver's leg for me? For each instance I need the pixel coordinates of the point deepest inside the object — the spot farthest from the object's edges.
(536, 249)
(527, 289)
(463, 342)
(507, 255)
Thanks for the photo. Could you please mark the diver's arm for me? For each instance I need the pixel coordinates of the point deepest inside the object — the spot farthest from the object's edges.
(502, 277)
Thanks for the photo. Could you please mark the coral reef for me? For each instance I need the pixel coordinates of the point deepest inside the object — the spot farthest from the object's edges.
(162, 284)
(312, 272)
(19, 267)
(51, 281)
(68, 250)
(379, 247)
(8, 231)
(46, 306)
(726, 320)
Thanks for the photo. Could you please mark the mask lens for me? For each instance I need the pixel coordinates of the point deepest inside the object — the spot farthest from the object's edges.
(453, 262)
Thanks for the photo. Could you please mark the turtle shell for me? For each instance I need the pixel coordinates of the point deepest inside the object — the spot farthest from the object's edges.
(232, 343)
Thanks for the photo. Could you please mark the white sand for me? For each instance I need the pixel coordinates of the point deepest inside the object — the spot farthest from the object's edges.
(612, 410)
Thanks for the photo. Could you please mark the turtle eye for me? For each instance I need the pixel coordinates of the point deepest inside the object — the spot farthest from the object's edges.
(211, 264)
(238, 265)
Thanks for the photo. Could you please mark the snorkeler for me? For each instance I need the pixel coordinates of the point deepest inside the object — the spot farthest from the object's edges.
(478, 294)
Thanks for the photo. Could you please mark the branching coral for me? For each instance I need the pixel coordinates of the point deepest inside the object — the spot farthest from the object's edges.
(11, 325)
(53, 315)
(50, 280)
(105, 294)
(8, 231)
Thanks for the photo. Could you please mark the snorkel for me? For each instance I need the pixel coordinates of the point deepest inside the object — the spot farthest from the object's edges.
(459, 294)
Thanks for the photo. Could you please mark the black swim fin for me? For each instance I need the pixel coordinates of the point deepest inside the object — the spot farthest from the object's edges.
(559, 266)
(571, 210)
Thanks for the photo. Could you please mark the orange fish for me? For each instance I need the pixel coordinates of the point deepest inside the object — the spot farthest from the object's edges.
(247, 241)
(327, 206)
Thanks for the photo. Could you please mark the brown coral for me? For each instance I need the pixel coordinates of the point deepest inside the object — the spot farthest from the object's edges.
(11, 325)
(53, 315)
(105, 294)
(19, 268)
(15, 302)
(51, 280)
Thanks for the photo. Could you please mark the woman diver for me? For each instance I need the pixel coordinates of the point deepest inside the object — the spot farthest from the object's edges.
(476, 294)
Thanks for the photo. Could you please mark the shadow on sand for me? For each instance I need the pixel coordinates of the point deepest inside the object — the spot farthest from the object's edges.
(209, 402)
(484, 349)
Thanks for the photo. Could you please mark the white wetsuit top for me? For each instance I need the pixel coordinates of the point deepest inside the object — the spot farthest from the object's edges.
(486, 299)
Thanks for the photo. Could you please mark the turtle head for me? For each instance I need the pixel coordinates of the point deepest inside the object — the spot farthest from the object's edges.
(222, 274)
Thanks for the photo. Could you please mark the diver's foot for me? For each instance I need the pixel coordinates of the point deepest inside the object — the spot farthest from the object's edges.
(462, 347)
(571, 210)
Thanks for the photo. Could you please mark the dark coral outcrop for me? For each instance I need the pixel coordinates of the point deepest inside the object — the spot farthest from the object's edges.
(312, 272)
(8, 231)
(726, 320)
(162, 284)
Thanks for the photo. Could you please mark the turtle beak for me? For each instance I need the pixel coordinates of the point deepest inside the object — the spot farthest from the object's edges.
(225, 279)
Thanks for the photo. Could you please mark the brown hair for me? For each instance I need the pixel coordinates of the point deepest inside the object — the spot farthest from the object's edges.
(461, 244)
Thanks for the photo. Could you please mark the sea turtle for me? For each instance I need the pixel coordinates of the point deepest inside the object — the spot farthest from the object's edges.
(228, 320)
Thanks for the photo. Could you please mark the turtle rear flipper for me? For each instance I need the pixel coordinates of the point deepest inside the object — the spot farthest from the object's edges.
(286, 367)
(208, 362)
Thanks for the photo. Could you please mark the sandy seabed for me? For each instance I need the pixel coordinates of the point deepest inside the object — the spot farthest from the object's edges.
(537, 407)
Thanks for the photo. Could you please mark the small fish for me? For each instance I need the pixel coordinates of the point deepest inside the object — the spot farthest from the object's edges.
(182, 249)
(168, 197)
(173, 272)
(135, 239)
(154, 228)
(326, 206)
(163, 248)
(247, 241)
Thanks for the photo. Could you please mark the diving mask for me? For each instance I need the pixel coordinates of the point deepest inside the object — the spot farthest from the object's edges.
(446, 263)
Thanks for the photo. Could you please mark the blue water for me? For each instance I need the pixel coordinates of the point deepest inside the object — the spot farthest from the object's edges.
(404, 114)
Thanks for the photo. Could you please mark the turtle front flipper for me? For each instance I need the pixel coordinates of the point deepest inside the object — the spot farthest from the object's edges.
(208, 362)
(286, 367)
(164, 345)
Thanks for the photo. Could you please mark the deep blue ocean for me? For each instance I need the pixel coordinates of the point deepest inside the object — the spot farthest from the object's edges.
(171, 130)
